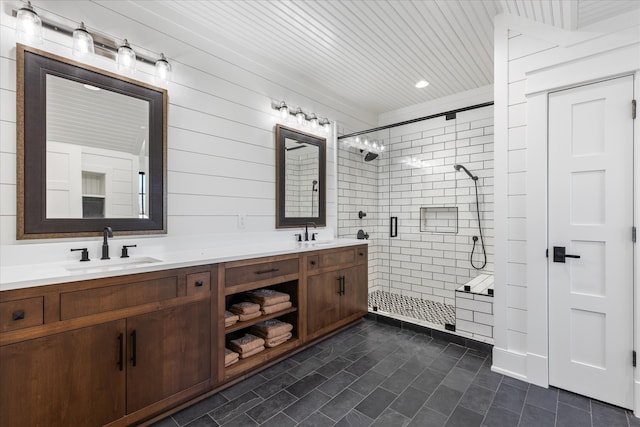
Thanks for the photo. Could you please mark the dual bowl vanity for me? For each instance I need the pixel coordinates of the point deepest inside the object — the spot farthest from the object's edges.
(129, 341)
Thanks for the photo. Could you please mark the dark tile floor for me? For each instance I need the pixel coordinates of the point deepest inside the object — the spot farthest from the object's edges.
(379, 375)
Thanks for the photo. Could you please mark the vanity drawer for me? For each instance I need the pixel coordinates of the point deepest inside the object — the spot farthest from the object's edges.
(260, 271)
(198, 283)
(99, 300)
(337, 258)
(22, 313)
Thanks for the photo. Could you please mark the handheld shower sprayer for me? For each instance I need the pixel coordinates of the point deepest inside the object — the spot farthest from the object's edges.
(458, 167)
(475, 238)
(314, 187)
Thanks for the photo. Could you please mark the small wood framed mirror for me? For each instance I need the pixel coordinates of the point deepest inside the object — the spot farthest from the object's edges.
(300, 178)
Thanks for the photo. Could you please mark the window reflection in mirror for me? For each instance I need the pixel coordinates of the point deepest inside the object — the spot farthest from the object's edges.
(96, 150)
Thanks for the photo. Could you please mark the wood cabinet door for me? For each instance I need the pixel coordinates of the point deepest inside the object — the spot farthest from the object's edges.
(67, 379)
(168, 351)
(323, 301)
(354, 300)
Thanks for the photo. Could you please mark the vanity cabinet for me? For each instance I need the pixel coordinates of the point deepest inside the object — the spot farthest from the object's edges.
(67, 379)
(336, 289)
(131, 349)
(115, 350)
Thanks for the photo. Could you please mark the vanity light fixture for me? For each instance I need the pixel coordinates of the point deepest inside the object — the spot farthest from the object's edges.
(366, 144)
(29, 31)
(82, 41)
(28, 25)
(302, 119)
(163, 69)
(126, 58)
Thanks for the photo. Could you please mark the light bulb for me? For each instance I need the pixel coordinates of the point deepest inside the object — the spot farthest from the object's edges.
(284, 111)
(326, 125)
(300, 117)
(126, 58)
(82, 41)
(163, 69)
(313, 120)
(28, 25)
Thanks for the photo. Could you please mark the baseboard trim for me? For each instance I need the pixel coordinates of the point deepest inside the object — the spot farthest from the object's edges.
(479, 346)
(509, 363)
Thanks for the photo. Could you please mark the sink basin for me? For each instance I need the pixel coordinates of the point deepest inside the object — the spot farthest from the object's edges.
(98, 265)
(321, 242)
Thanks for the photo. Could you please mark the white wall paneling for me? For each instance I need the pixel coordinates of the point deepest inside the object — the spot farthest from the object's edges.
(221, 151)
(523, 76)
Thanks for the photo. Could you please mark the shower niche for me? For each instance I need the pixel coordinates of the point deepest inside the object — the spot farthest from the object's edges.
(439, 219)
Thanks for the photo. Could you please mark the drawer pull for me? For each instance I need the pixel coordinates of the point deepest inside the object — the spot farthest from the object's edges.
(18, 315)
(271, 270)
(199, 283)
(361, 253)
(312, 262)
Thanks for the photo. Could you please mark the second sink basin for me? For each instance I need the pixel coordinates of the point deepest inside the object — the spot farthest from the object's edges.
(96, 266)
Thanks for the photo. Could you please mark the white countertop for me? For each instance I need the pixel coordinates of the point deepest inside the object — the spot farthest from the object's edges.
(30, 275)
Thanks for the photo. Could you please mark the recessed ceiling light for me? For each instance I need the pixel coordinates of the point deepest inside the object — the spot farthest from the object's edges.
(422, 83)
(91, 87)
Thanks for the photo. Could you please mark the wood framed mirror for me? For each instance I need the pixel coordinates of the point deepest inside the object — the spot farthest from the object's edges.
(91, 150)
(300, 178)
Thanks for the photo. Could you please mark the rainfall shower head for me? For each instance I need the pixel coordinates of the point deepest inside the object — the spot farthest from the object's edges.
(458, 167)
(370, 156)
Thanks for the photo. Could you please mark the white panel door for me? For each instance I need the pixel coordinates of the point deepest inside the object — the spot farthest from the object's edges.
(591, 215)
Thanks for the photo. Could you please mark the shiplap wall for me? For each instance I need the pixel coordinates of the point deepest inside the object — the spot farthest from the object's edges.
(532, 60)
(221, 157)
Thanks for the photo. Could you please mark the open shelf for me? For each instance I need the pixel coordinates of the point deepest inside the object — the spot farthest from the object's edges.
(248, 323)
(249, 363)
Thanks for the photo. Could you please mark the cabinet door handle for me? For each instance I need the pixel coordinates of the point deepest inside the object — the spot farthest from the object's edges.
(312, 262)
(121, 351)
(271, 270)
(199, 283)
(134, 356)
(344, 284)
(18, 315)
(339, 285)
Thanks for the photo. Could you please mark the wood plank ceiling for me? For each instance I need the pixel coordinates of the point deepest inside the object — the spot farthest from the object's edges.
(373, 52)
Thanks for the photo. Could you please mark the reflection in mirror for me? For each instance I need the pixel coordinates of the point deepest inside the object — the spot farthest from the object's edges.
(91, 149)
(97, 152)
(301, 166)
(300, 178)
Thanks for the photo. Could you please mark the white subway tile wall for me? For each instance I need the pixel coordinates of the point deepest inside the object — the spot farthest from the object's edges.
(416, 171)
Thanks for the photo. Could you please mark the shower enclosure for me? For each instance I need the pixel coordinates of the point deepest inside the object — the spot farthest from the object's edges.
(419, 193)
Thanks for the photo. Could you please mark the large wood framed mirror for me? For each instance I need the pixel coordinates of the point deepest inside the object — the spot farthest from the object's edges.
(91, 150)
(300, 178)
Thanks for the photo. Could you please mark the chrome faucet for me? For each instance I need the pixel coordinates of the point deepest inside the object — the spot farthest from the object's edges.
(306, 230)
(107, 232)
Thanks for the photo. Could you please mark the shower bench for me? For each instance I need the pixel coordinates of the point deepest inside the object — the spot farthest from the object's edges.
(474, 308)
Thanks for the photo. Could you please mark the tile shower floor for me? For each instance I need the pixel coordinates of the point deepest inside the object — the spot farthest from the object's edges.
(378, 375)
(416, 308)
